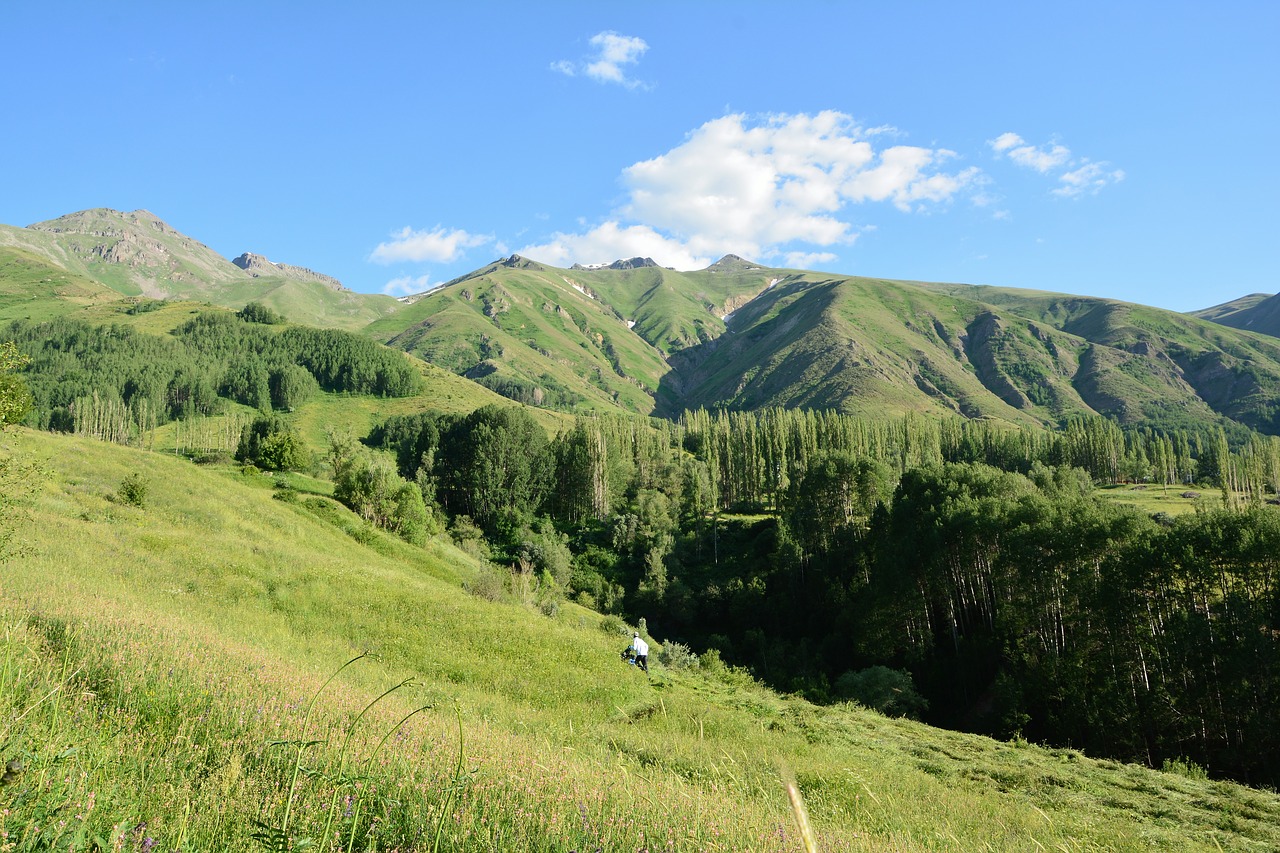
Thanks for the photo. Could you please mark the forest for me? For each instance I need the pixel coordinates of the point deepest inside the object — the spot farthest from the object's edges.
(963, 572)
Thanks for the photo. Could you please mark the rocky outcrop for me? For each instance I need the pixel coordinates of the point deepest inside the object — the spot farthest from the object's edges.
(258, 266)
(633, 264)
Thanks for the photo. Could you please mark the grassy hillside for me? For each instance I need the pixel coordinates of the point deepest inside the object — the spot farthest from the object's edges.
(1258, 313)
(741, 336)
(160, 661)
(869, 346)
(1226, 309)
(138, 255)
(33, 288)
(531, 327)
(736, 335)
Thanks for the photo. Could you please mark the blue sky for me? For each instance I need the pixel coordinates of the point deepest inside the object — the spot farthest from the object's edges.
(1125, 150)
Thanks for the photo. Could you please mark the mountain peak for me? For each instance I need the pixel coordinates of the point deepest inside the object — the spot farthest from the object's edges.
(519, 262)
(620, 264)
(99, 220)
(632, 264)
(733, 263)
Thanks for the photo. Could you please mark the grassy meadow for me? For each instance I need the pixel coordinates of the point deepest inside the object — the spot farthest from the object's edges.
(225, 664)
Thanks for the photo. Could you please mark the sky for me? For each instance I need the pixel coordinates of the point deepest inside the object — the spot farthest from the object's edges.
(1124, 150)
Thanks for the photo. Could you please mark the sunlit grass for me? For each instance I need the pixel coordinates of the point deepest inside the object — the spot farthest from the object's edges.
(1171, 500)
(158, 662)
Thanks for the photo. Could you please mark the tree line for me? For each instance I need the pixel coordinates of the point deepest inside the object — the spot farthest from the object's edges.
(117, 384)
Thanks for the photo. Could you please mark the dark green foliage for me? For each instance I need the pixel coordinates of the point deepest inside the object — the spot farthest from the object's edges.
(367, 483)
(71, 360)
(889, 691)
(963, 571)
(271, 444)
(291, 385)
(546, 551)
(145, 306)
(133, 490)
(493, 466)
(339, 361)
(149, 379)
(256, 312)
(414, 439)
(15, 397)
(246, 383)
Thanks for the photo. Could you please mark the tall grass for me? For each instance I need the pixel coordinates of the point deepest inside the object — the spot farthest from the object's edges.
(167, 684)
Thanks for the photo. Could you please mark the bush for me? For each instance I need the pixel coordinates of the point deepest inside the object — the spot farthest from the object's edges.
(675, 655)
(889, 691)
(1184, 767)
(468, 538)
(488, 584)
(133, 490)
(614, 625)
(256, 312)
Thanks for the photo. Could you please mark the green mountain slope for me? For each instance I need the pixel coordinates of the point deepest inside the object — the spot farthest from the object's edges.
(1256, 313)
(534, 331)
(644, 337)
(138, 255)
(34, 288)
(163, 657)
(1226, 309)
(1153, 364)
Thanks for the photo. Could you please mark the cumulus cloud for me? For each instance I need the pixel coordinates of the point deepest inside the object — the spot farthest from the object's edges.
(808, 260)
(610, 241)
(614, 53)
(407, 284)
(1077, 175)
(754, 187)
(438, 244)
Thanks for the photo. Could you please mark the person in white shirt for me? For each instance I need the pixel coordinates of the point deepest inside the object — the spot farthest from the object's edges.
(641, 649)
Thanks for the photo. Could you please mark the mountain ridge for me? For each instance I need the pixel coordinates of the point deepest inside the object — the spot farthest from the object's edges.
(637, 336)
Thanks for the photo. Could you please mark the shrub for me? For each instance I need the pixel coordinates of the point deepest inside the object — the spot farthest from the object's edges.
(133, 490)
(675, 655)
(488, 584)
(889, 691)
(1184, 767)
(256, 312)
(613, 625)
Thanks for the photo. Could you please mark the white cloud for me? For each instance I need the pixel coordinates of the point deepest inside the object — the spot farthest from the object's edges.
(609, 242)
(438, 244)
(754, 188)
(807, 260)
(407, 284)
(1082, 175)
(1089, 178)
(613, 54)
(1042, 158)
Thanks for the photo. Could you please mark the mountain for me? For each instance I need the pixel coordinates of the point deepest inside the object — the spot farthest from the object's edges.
(595, 338)
(1257, 312)
(742, 336)
(139, 255)
(1226, 309)
(640, 337)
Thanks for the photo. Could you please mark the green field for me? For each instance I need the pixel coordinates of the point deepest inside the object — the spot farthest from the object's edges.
(1173, 500)
(159, 662)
